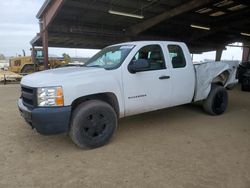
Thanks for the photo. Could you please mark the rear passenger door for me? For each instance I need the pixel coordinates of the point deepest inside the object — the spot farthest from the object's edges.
(183, 75)
(149, 89)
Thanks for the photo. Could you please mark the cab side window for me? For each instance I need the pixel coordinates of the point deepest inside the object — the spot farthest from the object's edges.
(177, 56)
(154, 55)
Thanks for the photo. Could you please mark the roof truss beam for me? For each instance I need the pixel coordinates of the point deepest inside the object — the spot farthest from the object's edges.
(144, 25)
(50, 14)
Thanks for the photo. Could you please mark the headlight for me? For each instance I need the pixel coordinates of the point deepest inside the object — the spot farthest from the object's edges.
(51, 96)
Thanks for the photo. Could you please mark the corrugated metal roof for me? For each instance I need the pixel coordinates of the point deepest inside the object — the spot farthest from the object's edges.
(88, 23)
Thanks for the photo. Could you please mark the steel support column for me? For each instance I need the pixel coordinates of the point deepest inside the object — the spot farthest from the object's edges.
(45, 48)
(47, 18)
(218, 54)
(33, 58)
(246, 54)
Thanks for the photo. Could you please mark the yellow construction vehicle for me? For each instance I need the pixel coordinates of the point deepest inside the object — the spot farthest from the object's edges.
(35, 62)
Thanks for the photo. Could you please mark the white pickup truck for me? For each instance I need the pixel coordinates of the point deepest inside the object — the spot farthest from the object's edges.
(121, 80)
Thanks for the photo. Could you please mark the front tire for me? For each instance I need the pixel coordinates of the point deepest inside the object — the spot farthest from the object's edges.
(93, 124)
(217, 100)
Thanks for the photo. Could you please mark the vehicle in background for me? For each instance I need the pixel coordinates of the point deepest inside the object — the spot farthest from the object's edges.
(121, 80)
(4, 64)
(243, 74)
(35, 62)
(9, 77)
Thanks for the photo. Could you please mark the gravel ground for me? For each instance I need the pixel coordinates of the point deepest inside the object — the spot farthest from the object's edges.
(180, 147)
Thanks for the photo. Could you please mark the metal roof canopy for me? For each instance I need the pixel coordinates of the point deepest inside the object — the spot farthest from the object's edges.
(88, 23)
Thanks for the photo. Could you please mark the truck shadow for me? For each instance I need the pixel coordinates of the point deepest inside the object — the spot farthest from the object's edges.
(160, 119)
(165, 119)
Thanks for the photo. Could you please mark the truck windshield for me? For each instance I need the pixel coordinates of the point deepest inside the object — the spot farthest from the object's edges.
(110, 57)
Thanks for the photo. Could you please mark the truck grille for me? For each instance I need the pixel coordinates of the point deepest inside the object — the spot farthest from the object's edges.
(28, 96)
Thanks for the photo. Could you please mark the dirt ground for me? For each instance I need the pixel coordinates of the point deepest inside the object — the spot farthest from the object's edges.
(180, 147)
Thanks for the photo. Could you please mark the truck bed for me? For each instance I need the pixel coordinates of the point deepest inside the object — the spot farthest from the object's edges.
(205, 74)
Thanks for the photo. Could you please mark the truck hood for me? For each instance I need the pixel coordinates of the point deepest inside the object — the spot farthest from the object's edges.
(55, 77)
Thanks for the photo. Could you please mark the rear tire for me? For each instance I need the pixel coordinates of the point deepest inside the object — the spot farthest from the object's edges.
(93, 124)
(217, 100)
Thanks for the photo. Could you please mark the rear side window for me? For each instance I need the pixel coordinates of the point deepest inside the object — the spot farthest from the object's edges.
(177, 56)
(153, 54)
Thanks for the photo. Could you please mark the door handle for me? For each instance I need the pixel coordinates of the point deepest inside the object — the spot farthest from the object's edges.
(164, 77)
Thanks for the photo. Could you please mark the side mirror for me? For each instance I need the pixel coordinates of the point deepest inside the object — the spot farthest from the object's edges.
(138, 65)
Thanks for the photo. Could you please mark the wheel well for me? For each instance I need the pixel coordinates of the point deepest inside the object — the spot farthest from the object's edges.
(26, 65)
(110, 98)
(221, 79)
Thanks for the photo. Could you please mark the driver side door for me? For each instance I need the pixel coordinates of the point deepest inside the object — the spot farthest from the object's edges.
(148, 89)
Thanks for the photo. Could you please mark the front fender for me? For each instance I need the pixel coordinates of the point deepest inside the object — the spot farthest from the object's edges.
(94, 85)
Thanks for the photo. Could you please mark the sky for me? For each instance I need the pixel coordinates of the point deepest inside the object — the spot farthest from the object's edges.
(18, 25)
